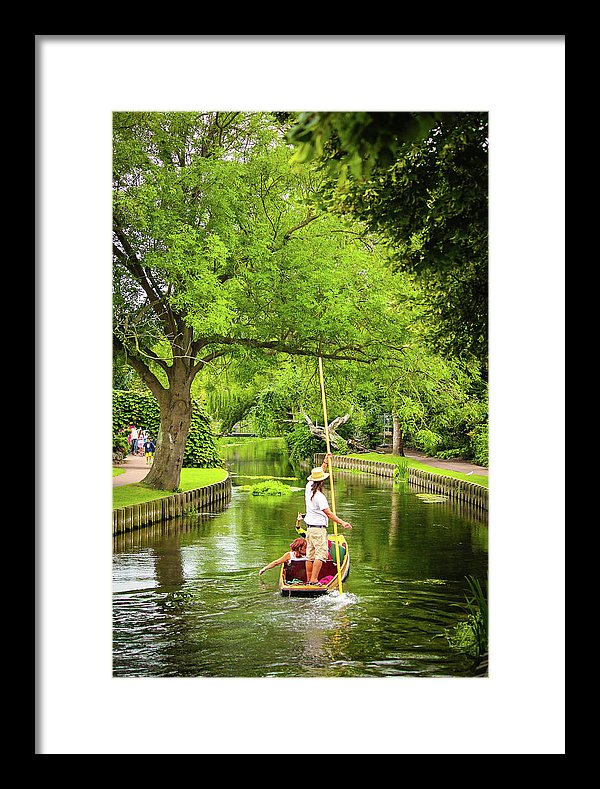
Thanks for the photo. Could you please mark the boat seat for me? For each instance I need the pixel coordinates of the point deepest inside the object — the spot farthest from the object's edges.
(296, 570)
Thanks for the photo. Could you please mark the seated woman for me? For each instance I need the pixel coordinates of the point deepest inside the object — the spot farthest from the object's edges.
(297, 553)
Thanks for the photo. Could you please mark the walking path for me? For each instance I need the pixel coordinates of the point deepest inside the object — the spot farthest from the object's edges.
(136, 467)
(450, 465)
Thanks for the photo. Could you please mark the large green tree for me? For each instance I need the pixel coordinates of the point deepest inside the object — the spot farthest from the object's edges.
(218, 247)
(421, 181)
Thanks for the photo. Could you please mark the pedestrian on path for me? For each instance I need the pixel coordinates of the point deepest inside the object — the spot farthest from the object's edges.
(134, 435)
(149, 447)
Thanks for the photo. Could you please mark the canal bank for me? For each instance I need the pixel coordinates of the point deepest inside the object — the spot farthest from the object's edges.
(164, 508)
(218, 495)
(457, 490)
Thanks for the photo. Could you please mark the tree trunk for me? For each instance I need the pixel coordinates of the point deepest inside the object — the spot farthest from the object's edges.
(397, 443)
(175, 418)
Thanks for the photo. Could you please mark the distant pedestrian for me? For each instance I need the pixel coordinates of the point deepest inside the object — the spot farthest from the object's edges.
(149, 447)
(134, 436)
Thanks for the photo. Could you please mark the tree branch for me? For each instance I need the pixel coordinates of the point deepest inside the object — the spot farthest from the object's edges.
(147, 376)
(319, 432)
(144, 278)
(348, 353)
(310, 218)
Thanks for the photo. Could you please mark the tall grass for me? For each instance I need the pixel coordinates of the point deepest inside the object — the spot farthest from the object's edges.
(401, 470)
(471, 635)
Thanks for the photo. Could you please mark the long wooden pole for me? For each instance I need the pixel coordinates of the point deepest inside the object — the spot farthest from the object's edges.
(337, 545)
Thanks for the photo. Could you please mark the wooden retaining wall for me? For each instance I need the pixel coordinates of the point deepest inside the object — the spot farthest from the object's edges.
(137, 516)
(370, 466)
(459, 490)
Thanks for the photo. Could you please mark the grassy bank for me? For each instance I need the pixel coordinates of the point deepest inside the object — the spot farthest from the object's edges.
(191, 478)
(478, 479)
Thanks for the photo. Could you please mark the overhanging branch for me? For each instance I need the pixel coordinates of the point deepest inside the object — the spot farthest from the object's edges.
(347, 353)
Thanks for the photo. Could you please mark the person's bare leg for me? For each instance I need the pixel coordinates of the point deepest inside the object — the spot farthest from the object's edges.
(308, 564)
(316, 568)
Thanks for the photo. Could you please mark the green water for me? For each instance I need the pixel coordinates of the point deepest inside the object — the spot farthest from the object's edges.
(188, 601)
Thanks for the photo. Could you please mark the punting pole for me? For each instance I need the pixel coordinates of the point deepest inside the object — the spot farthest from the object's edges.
(326, 420)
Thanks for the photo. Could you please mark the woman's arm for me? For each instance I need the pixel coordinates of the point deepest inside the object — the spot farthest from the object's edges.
(281, 560)
(331, 516)
(325, 463)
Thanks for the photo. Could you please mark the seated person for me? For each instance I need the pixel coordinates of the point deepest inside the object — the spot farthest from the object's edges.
(297, 553)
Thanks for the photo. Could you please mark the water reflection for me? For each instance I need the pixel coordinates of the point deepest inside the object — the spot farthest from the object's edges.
(188, 600)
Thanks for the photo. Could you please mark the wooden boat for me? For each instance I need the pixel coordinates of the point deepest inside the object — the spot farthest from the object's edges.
(292, 577)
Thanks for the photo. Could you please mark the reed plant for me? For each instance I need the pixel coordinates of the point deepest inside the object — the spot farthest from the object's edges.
(471, 635)
(401, 470)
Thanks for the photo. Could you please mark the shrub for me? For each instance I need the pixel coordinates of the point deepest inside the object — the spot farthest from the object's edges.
(120, 444)
(427, 441)
(479, 443)
(271, 487)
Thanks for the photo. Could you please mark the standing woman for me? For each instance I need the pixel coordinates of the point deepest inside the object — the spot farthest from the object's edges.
(134, 440)
(141, 441)
(317, 518)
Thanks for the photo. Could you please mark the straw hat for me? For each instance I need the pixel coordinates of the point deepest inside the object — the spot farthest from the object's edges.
(317, 475)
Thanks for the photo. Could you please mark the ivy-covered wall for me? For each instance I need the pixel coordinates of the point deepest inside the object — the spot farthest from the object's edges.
(142, 410)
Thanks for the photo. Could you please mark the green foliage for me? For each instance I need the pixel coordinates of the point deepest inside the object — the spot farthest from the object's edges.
(366, 426)
(421, 181)
(141, 409)
(401, 470)
(471, 635)
(120, 444)
(448, 454)
(479, 443)
(270, 487)
(134, 408)
(302, 445)
(228, 405)
(427, 440)
(269, 412)
(353, 143)
(201, 446)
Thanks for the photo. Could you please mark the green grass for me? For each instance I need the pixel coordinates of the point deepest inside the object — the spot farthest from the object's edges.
(117, 471)
(478, 479)
(191, 478)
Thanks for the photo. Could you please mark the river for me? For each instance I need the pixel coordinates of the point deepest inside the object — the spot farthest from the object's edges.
(188, 600)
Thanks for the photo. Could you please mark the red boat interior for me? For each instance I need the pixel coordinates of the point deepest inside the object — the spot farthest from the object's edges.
(298, 570)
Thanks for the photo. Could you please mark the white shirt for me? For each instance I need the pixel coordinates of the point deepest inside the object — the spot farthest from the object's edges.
(314, 507)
